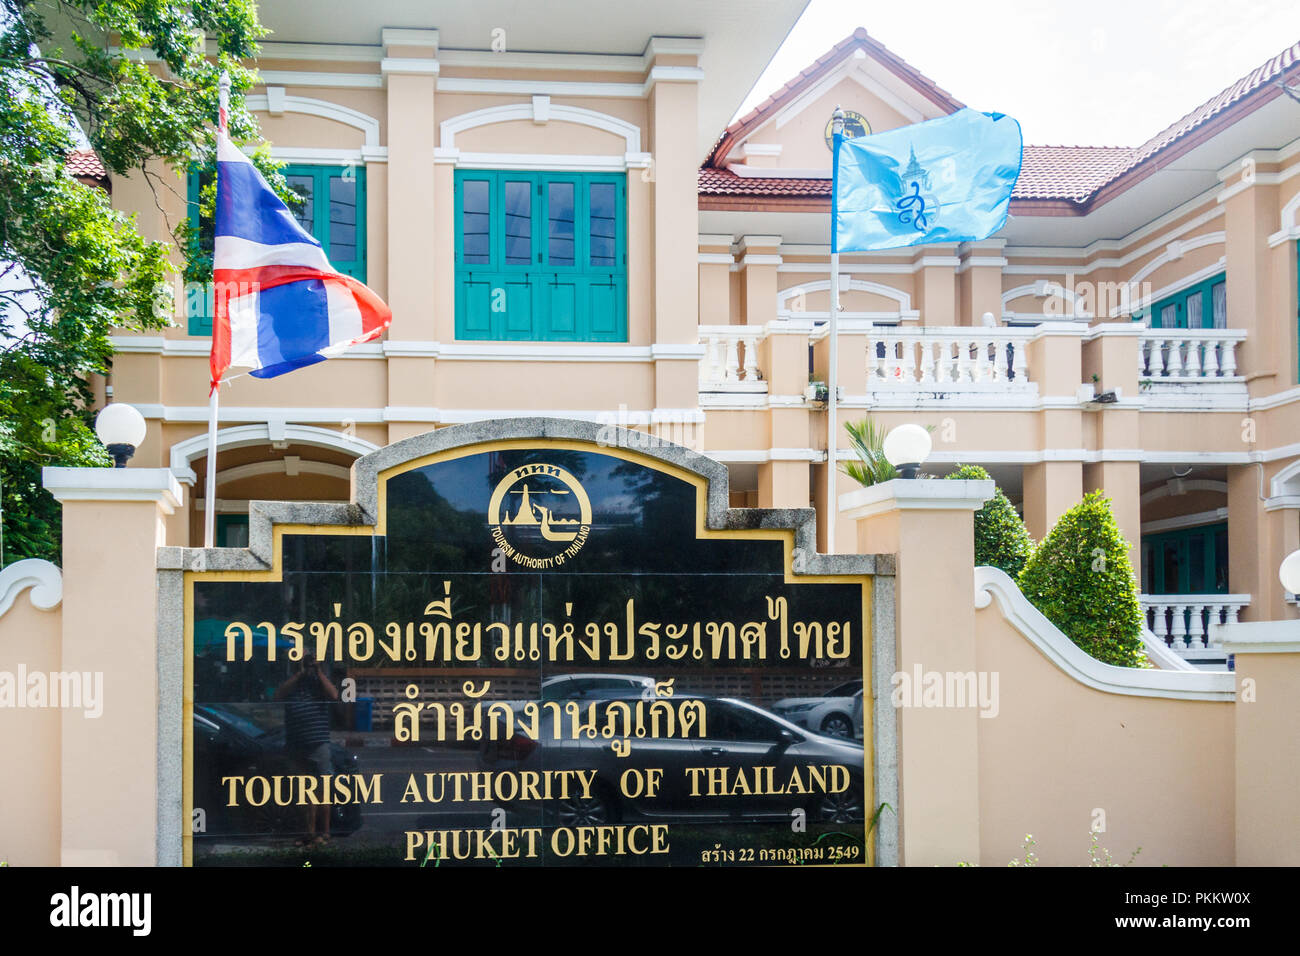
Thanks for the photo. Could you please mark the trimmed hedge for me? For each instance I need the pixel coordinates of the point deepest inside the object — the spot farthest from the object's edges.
(1001, 539)
(1081, 579)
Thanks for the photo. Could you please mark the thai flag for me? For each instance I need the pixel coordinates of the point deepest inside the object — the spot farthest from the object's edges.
(279, 305)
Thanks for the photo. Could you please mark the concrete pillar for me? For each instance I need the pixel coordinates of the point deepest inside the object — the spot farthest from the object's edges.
(759, 257)
(929, 524)
(673, 112)
(936, 285)
(715, 279)
(1051, 488)
(410, 70)
(979, 281)
(1267, 747)
(1250, 217)
(1248, 546)
(113, 521)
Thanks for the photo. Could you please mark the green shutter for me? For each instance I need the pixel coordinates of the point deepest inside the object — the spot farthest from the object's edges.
(1203, 292)
(571, 287)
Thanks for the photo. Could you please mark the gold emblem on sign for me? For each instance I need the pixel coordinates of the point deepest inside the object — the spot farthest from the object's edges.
(540, 515)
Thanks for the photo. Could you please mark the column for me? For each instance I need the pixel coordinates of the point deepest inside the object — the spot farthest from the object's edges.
(1250, 217)
(936, 285)
(113, 522)
(759, 257)
(979, 281)
(421, 285)
(673, 110)
(929, 525)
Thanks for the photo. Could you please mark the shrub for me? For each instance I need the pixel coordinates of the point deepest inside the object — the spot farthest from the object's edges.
(1081, 579)
(1001, 539)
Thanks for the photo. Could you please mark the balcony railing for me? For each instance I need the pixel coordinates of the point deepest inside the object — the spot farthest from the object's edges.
(730, 362)
(1183, 356)
(1182, 621)
(947, 359)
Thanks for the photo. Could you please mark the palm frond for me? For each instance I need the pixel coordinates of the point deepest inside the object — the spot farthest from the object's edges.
(867, 439)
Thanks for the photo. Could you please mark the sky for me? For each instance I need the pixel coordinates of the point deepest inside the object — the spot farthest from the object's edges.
(1095, 73)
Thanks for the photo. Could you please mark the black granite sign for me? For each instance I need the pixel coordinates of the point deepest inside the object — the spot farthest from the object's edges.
(538, 655)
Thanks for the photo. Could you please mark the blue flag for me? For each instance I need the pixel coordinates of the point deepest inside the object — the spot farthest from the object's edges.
(945, 180)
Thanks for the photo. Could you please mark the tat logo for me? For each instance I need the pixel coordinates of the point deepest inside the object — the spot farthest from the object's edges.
(540, 516)
(75, 909)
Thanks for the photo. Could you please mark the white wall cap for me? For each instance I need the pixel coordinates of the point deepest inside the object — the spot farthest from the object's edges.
(1258, 637)
(993, 583)
(44, 578)
(917, 494)
(114, 484)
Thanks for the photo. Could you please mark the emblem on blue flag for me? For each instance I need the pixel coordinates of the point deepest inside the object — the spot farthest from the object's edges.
(945, 180)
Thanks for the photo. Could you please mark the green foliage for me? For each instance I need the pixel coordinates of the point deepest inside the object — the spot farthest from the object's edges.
(1081, 579)
(71, 268)
(1001, 539)
(866, 439)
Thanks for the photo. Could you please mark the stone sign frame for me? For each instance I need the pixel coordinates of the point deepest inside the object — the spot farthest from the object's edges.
(361, 515)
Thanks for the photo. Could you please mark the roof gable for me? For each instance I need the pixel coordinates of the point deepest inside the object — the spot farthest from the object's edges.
(858, 57)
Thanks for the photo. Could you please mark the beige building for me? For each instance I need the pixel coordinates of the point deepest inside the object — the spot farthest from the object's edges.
(575, 231)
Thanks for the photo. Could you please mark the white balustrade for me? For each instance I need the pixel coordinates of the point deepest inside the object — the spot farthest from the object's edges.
(947, 358)
(1182, 621)
(730, 360)
(1188, 355)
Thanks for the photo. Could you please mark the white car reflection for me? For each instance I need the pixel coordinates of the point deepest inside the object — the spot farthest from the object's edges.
(837, 713)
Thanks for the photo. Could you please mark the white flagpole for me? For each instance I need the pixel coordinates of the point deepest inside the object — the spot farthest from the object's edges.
(210, 485)
(832, 353)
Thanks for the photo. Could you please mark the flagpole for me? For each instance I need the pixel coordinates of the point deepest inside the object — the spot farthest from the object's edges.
(210, 485)
(832, 351)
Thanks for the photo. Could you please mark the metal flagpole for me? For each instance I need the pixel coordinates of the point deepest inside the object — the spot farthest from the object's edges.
(832, 352)
(210, 485)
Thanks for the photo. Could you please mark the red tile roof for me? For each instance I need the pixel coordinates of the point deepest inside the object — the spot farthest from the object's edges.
(84, 163)
(1074, 174)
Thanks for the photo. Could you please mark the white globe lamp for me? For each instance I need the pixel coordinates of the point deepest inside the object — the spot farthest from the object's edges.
(1289, 572)
(121, 428)
(906, 448)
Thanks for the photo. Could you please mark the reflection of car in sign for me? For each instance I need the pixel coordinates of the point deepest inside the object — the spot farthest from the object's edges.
(837, 713)
(750, 764)
(597, 687)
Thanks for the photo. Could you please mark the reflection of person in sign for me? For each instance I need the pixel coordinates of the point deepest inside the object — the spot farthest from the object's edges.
(308, 695)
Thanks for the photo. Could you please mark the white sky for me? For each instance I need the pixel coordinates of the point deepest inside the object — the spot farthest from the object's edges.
(1095, 73)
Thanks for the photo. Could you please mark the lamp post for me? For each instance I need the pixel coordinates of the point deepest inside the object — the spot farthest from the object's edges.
(906, 447)
(121, 428)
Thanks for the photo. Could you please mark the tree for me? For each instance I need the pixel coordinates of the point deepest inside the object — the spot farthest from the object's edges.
(1081, 579)
(71, 268)
(1001, 539)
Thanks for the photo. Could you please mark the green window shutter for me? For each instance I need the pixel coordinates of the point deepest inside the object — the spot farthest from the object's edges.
(1191, 308)
(541, 256)
(198, 300)
(1186, 561)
